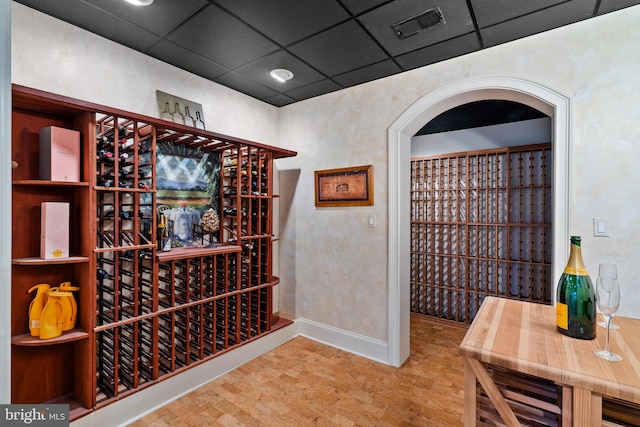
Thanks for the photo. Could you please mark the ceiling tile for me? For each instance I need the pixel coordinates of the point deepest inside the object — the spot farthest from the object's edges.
(159, 17)
(564, 14)
(340, 49)
(95, 20)
(439, 52)
(245, 85)
(314, 89)
(611, 5)
(279, 100)
(187, 60)
(287, 21)
(367, 74)
(379, 21)
(259, 71)
(359, 6)
(205, 31)
(488, 14)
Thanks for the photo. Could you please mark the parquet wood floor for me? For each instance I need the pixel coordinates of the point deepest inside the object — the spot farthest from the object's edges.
(303, 383)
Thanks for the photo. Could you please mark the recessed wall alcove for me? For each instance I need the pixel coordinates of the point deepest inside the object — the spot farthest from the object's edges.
(536, 95)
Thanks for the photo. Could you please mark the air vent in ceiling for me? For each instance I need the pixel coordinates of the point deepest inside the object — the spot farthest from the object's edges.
(412, 26)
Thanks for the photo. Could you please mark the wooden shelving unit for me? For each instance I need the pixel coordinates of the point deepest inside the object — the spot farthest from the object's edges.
(143, 314)
(197, 305)
(124, 255)
(481, 224)
(57, 369)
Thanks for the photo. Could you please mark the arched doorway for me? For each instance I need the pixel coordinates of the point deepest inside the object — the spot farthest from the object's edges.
(549, 101)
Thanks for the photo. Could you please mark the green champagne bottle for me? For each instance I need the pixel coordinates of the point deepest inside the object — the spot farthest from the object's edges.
(575, 299)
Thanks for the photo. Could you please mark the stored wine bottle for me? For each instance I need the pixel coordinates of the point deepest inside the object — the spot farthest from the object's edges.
(104, 155)
(104, 141)
(123, 132)
(105, 183)
(575, 299)
(126, 214)
(103, 274)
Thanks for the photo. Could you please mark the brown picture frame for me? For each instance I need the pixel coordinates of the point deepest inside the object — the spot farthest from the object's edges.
(351, 186)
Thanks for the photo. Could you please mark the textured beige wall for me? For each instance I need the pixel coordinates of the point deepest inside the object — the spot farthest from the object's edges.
(338, 266)
(333, 267)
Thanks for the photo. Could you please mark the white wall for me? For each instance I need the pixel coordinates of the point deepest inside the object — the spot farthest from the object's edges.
(336, 267)
(537, 131)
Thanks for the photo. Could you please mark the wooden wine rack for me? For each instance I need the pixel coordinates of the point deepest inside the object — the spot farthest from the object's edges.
(480, 225)
(143, 314)
(247, 196)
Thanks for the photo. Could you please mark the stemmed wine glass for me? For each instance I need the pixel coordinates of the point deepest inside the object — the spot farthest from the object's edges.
(608, 271)
(608, 297)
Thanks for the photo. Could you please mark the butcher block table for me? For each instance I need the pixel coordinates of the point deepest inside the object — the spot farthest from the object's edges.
(513, 342)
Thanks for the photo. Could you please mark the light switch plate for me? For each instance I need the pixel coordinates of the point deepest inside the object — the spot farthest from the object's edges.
(601, 227)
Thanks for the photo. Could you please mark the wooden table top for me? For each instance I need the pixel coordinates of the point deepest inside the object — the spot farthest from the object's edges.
(523, 337)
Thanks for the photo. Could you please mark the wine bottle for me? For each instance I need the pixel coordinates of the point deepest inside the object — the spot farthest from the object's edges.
(107, 175)
(104, 141)
(575, 299)
(104, 155)
(103, 274)
(123, 132)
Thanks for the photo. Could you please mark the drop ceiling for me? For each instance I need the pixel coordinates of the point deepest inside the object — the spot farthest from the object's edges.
(328, 44)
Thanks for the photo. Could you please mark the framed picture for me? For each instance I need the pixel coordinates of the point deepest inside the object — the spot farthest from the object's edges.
(344, 187)
(187, 184)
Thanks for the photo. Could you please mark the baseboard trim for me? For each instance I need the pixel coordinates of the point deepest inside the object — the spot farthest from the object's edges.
(138, 405)
(361, 345)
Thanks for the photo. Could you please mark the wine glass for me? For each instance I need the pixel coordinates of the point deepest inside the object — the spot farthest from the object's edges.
(608, 271)
(608, 297)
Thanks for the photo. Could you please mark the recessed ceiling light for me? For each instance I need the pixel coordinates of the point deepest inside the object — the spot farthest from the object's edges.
(281, 75)
(140, 2)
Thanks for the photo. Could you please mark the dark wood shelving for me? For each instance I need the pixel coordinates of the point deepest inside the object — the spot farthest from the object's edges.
(150, 314)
